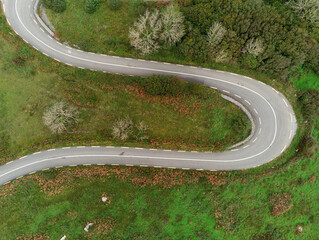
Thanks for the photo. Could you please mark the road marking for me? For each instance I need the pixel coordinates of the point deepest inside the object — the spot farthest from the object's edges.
(180, 65)
(45, 169)
(285, 102)
(166, 63)
(19, 177)
(73, 165)
(125, 147)
(219, 71)
(275, 90)
(255, 140)
(41, 29)
(194, 151)
(172, 167)
(115, 164)
(115, 56)
(101, 164)
(35, 153)
(290, 133)
(141, 60)
(86, 164)
(35, 21)
(66, 147)
(237, 96)
(139, 148)
(4, 8)
(80, 147)
(129, 165)
(167, 150)
(262, 83)
(95, 146)
(31, 173)
(9, 162)
(246, 146)
(157, 166)
(185, 168)
(23, 157)
(255, 111)
(247, 77)
(260, 121)
(110, 147)
(50, 150)
(154, 61)
(193, 67)
(226, 91)
(283, 149)
(153, 149)
(143, 166)
(181, 151)
(290, 117)
(247, 102)
(199, 169)
(259, 130)
(214, 88)
(59, 167)
(233, 150)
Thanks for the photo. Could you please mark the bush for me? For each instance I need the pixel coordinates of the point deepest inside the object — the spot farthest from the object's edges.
(163, 85)
(60, 116)
(91, 6)
(114, 4)
(122, 129)
(55, 5)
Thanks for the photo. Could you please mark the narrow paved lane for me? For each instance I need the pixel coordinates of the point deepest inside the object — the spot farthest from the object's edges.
(273, 116)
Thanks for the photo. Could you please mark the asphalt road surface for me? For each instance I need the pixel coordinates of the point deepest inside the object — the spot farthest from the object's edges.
(273, 116)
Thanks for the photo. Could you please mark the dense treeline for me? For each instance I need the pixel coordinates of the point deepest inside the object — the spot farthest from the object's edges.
(257, 35)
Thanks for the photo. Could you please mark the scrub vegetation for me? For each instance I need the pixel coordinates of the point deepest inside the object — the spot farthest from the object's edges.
(276, 201)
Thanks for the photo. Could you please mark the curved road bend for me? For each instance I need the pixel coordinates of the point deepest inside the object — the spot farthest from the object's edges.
(272, 114)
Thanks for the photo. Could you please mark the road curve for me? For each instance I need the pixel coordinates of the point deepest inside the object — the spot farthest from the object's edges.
(273, 116)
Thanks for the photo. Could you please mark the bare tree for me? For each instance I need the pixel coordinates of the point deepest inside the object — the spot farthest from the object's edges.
(306, 9)
(254, 47)
(216, 34)
(172, 21)
(60, 116)
(221, 57)
(145, 33)
(122, 129)
(141, 131)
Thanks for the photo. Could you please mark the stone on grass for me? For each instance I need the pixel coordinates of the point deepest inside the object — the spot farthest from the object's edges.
(87, 227)
(104, 199)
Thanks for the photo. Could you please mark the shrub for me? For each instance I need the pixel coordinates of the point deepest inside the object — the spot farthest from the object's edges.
(114, 4)
(60, 116)
(122, 129)
(162, 85)
(55, 5)
(254, 47)
(141, 131)
(91, 6)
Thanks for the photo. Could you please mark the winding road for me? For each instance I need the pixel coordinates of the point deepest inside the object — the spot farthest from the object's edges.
(273, 117)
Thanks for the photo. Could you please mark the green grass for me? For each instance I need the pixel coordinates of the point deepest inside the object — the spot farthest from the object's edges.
(308, 80)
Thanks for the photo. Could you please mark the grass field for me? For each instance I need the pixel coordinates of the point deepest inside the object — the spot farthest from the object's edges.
(268, 202)
(148, 203)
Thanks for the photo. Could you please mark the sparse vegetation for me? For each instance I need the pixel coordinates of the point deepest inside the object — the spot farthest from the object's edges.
(57, 6)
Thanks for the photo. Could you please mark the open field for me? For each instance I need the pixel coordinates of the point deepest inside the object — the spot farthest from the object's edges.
(148, 203)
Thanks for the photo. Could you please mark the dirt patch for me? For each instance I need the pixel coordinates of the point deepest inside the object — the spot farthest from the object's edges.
(32, 236)
(280, 203)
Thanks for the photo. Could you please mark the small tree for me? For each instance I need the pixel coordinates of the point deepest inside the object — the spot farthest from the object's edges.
(91, 5)
(122, 129)
(306, 9)
(55, 5)
(216, 34)
(173, 29)
(145, 33)
(60, 116)
(114, 4)
(254, 47)
(141, 131)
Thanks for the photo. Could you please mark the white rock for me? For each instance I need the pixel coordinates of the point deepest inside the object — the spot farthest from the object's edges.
(63, 238)
(104, 199)
(87, 227)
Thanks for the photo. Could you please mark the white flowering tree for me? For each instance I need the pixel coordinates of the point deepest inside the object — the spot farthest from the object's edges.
(145, 33)
(216, 34)
(255, 47)
(306, 9)
(172, 25)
